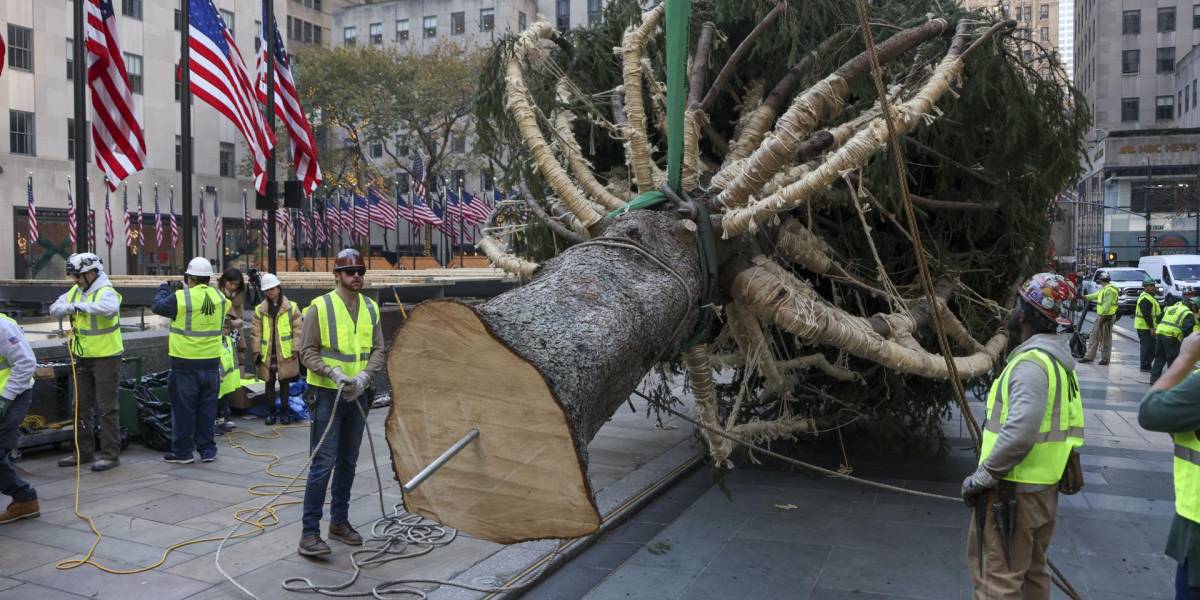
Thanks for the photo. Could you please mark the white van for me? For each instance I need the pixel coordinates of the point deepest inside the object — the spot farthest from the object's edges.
(1175, 273)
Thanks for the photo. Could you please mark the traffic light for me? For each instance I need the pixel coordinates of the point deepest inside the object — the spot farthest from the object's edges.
(1112, 257)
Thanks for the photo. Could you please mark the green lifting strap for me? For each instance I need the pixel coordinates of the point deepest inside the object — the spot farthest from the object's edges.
(678, 16)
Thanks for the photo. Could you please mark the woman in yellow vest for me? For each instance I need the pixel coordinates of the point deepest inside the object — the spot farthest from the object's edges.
(341, 345)
(94, 309)
(197, 313)
(1034, 418)
(1173, 406)
(274, 336)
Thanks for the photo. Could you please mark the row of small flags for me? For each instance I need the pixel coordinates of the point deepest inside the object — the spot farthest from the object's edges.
(353, 215)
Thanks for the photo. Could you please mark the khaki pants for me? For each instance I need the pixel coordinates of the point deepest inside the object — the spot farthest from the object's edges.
(1028, 579)
(98, 379)
(1101, 338)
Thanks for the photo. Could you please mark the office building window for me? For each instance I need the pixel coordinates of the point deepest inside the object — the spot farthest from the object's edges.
(20, 133)
(1179, 101)
(458, 144)
(1044, 11)
(178, 154)
(1164, 108)
(20, 47)
(1166, 19)
(376, 31)
(458, 177)
(230, 22)
(70, 139)
(350, 35)
(376, 149)
(132, 8)
(1129, 109)
(522, 21)
(178, 17)
(1194, 92)
(487, 19)
(458, 23)
(1044, 34)
(430, 25)
(1196, 16)
(316, 35)
(562, 14)
(402, 30)
(1131, 61)
(225, 160)
(1166, 60)
(70, 59)
(258, 35)
(402, 182)
(1186, 98)
(133, 66)
(1131, 22)
(595, 12)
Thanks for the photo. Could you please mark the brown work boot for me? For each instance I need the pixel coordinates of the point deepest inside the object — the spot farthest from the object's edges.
(345, 534)
(27, 509)
(313, 545)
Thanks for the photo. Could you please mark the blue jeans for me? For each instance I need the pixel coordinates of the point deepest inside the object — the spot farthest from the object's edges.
(337, 457)
(1183, 591)
(193, 410)
(11, 483)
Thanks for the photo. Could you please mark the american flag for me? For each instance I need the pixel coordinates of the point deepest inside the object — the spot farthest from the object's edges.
(319, 222)
(423, 214)
(218, 238)
(125, 211)
(203, 226)
(406, 211)
(418, 177)
(283, 220)
(305, 228)
(245, 218)
(383, 213)
(287, 106)
(333, 222)
(452, 206)
(219, 77)
(174, 225)
(70, 215)
(265, 233)
(347, 217)
(477, 210)
(92, 229)
(141, 237)
(108, 222)
(33, 226)
(158, 231)
(116, 126)
(362, 223)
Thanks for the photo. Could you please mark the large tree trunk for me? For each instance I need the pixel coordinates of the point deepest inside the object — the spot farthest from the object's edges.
(538, 370)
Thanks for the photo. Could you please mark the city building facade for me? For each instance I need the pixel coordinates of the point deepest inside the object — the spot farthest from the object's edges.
(38, 137)
(1135, 65)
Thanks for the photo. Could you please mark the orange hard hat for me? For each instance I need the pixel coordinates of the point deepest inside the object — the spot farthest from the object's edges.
(347, 259)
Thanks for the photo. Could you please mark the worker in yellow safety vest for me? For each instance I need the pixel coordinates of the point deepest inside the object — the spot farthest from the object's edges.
(341, 345)
(1034, 419)
(1172, 405)
(274, 332)
(197, 313)
(1146, 314)
(1106, 315)
(17, 365)
(1178, 319)
(94, 308)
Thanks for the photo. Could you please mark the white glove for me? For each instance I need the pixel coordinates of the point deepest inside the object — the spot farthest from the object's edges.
(977, 483)
(340, 378)
(362, 381)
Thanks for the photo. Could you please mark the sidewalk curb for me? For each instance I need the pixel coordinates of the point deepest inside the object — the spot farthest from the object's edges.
(621, 499)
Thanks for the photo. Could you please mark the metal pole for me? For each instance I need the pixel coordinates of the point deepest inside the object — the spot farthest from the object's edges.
(185, 120)
(441, 461)
(1149, 186)
(269, 25)
(81, 140)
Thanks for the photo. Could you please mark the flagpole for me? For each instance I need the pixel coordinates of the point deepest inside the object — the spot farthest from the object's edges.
(107, 212)
(269, 25)
(461, 217)
(185, 122)
(81, 140)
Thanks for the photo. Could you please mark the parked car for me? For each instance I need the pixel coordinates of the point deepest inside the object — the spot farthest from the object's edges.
(1128, 279)
(1175, 273)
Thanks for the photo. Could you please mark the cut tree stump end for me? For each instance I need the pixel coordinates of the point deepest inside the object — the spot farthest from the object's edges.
(522, 479)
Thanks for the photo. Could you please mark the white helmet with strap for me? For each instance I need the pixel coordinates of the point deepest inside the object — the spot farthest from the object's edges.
(199, 267)
(78, 264)
(268, 281)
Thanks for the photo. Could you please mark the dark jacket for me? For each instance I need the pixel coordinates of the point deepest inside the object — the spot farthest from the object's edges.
(164, 305)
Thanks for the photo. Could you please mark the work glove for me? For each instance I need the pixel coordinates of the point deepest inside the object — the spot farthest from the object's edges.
(977, 483)
(362, 381)
(340, 378)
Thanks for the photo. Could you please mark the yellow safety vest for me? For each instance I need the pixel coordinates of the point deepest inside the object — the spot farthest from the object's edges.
(284, 322)
(1172, 321)
(231, 377)
(345, 342)
(197, 327)
(5, 368)
(1062, 423)
(1187, 476)
(94, 336)
(1108, 290)
(1156, 312)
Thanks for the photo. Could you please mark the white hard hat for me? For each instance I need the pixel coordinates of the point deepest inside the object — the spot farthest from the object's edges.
(199, 267)
(78, 264)
(268, 281)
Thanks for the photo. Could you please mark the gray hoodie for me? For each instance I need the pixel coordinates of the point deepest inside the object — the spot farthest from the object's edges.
(1027, 387)
(106, 304)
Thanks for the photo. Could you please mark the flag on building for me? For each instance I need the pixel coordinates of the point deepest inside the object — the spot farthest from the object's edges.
(174, 225)
(158, 230)
(362, 223)
(423, 214)
(33, 225)
(287, 105)
(71, 234)
(117, 138)
(477, 209)
(453, 208)
(141, 236)
(305, 228)
(218, 228)
(219, 77)
(125, 219)
(108, 222)
(283, 220)
(347, 218)
(383, 213)
(418, 177)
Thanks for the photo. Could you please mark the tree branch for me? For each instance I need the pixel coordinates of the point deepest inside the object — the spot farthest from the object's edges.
(742, 50)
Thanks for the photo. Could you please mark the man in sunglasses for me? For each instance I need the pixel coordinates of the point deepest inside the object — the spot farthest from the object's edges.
(341, 345)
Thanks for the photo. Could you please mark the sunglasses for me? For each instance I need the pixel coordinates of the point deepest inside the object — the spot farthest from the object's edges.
(354, 271)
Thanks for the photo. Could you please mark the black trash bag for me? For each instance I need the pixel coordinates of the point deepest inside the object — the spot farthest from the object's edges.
(1079, 339)
(154, 414)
